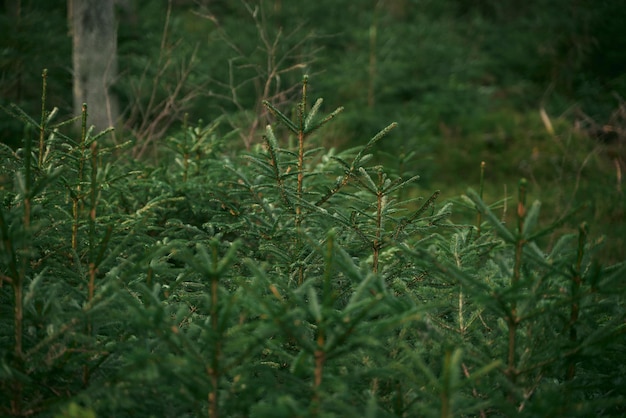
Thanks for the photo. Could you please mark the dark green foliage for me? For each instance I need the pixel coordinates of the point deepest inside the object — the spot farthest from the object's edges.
(289, 280)
(34, 36)
(466, 81)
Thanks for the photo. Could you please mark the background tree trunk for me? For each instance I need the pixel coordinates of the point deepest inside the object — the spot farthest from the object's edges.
(94, 56)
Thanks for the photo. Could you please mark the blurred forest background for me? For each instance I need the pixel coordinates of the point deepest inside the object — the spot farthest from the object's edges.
(533, 88)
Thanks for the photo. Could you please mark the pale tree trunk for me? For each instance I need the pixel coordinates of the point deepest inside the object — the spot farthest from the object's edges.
(94, 57)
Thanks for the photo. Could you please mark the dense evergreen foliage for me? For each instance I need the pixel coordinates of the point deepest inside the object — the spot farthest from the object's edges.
(290, 280)
(237, 247)
(534, 90)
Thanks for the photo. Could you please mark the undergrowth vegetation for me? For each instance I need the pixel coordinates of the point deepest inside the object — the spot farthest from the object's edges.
(288, 280)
